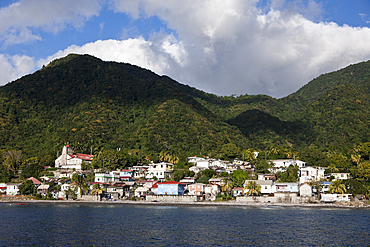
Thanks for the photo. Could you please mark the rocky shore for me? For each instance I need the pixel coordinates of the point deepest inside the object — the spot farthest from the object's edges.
(352, 205)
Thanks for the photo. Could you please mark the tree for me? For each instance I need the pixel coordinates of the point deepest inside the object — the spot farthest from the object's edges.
(71, 192)
(336, 187)
(13, 160)
(355, 187)
(314, 157)
(230, 151)
(239, 177)
(262, 166)
(81, 184)
(226, 185)
(253, 188)
(27, 188)
(98, 189)
(290, 175)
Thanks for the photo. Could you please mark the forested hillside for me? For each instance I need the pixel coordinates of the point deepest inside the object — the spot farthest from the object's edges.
(107, 105)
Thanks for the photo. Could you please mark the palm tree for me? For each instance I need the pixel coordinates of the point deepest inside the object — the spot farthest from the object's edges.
(81, 184)
(98, 189)
(253, 188)
(226, 184)
(336, 187)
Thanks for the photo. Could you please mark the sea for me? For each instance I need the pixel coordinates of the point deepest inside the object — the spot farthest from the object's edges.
(141, 225)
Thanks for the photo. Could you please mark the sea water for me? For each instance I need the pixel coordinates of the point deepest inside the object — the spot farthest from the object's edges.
(136, 225)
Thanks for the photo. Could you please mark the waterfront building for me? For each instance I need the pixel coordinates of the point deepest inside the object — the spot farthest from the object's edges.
(171, 188)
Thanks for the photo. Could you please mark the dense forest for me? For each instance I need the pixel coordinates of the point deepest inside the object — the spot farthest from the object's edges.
(97, 105)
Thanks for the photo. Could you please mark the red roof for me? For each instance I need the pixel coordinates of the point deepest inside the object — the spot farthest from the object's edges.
(170, 182)
(155, 185)
(125, 170)
(1, 188)
(34, 180)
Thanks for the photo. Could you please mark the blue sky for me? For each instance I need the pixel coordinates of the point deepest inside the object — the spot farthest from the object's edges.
(237, 47)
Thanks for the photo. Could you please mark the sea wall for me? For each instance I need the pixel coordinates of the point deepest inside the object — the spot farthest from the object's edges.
(170, 198)
(277, 198)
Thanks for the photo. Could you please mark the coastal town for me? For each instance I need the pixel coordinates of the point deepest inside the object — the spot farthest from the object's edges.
(153, 182)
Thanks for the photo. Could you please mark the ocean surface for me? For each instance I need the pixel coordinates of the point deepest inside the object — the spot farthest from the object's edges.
(136, 225)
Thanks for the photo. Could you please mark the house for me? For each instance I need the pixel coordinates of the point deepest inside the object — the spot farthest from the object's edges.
(139, 171)
(161, 171)
(43, 189)
(308, 174)
(340, 176)
(188, 180)
(146, 183)
(35, 181)
(71, 160)
(113, 176)
(154, 189)
(324, 187)
(267, 186)
(287, 187)
(2, 188)
(211, 190)
(119, 190)
(283, 164)
(217, 180)
(196, 189)
(195, 169)
(305, 190)
(141, 191)
(266, 176)
(171, 188)
(238, 191)
(126, 174)
(335, 197)
(12, 189)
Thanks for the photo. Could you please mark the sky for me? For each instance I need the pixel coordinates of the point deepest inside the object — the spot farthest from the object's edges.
(225, 47)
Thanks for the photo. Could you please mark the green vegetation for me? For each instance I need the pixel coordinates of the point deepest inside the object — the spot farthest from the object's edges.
(99, 107)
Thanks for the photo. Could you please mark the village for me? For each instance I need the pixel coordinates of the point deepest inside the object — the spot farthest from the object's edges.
(153, 182)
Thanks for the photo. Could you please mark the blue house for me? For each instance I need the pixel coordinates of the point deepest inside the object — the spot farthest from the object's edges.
(171, 188)
(287, 187)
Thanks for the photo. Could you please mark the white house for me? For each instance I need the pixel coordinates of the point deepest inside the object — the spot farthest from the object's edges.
(340, 176)
(281, 165)
(113, 176)
(307, 174)
(161, 170)
(335, 197)
(12, 189)
(70, 160)
(196, 189)
(267, 186)
(305, 190)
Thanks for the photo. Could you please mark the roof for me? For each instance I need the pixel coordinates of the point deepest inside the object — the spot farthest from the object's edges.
(34, 180)
(238, 188)
(155, 185)
(118, 185)
(126, 170)
(171, 182)
(43, 187)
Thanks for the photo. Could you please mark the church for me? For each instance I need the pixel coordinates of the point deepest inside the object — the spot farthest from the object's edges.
(70, 160)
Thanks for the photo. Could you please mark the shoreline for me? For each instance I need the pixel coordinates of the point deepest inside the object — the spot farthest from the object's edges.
(194, 204)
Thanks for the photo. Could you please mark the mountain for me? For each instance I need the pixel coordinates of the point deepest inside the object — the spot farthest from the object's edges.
(96, 104)
(81, 99)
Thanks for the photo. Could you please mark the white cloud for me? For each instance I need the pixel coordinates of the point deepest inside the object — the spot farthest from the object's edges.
(146, 54)
(232, 47)
(20, 18)
(13, 67)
